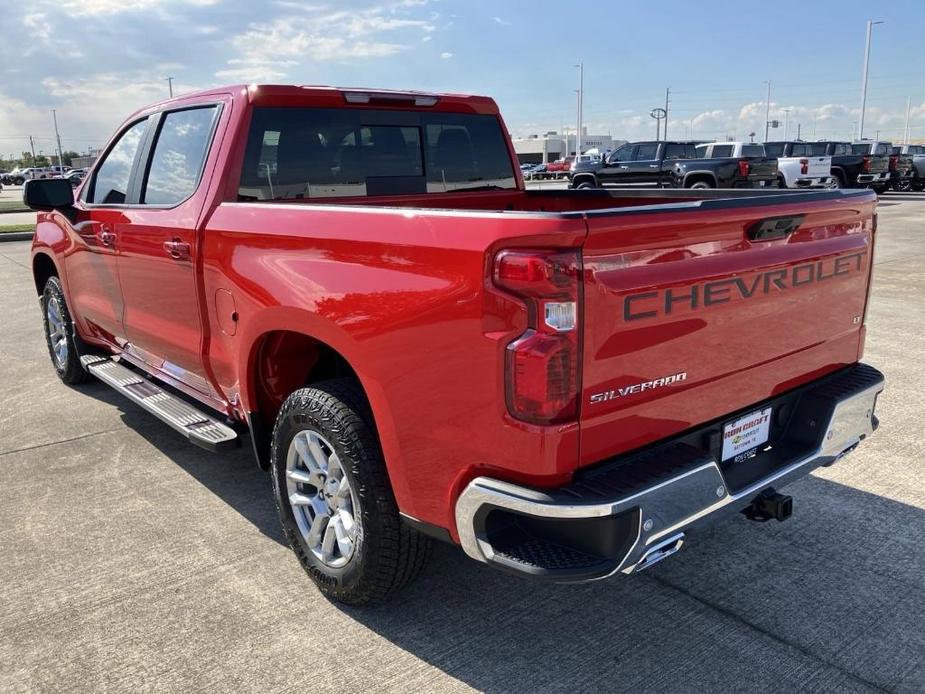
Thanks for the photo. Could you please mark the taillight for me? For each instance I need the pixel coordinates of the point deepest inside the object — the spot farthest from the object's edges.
(804, 166)
(744, 167)
(866, 163)
(543, 366)
(894, 161)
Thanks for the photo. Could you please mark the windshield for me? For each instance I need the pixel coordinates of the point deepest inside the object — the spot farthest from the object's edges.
(295, 153)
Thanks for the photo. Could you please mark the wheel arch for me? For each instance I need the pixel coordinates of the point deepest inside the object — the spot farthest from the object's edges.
(692, 177)
(43, 267)
(282, 357)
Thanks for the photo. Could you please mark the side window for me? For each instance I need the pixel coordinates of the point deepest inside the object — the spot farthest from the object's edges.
(703, 151)
(624, 153)
(111, 182)
(722, 151)
(647, 151)
(679, 151)
(841, 148)
(179, 155)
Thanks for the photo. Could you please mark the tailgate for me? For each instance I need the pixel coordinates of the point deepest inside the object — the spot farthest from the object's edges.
(879, 164)
(687, 319)
(819, 167)
(762, 168)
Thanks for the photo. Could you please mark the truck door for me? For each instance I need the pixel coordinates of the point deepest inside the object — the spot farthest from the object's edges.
(616, 169)
(645, 167)
(158, 247)
(92, 272)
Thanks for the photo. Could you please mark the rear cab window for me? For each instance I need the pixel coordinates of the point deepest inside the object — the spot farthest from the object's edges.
(753, 150)
(296, 153)
(808, 149)
(721, 151)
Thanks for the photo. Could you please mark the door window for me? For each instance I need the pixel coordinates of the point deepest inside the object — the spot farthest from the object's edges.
(679, 151)
(722, 151)
(110, 185)
(624, 153)
(179, 155)
(647, 151)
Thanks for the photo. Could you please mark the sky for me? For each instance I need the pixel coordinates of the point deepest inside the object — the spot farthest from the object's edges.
(96, 61)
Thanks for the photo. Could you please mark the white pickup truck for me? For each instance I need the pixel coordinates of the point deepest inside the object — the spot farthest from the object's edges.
(802, 164)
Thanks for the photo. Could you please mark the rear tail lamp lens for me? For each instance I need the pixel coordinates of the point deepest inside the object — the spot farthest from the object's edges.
(866, 164)
(804, 166)
(744, 167)
(543, 365)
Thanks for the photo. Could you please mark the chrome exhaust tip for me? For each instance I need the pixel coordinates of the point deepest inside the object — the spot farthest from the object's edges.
(661, 551)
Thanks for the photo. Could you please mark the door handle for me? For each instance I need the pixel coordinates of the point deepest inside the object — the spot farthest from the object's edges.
(177, 249)
(623, 166)
(107, 237)
(653, 166)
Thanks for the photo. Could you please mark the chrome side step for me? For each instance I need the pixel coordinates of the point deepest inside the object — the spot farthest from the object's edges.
(197, 426)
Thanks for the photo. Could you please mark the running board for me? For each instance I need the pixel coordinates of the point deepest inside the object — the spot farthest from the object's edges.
(198, 427)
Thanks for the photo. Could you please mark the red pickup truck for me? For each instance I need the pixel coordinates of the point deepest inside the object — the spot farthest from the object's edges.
(566, 383)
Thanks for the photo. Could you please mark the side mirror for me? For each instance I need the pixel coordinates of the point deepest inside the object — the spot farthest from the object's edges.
(48, 194)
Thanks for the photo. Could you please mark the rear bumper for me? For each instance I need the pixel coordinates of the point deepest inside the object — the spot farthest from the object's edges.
(631, 512)
(818, 182)
(883, 177)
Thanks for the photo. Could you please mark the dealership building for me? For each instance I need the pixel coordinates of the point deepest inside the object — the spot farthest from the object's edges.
(542, 149)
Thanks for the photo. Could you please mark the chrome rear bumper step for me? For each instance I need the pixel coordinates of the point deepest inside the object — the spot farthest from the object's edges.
(630, 514)
(198, 427)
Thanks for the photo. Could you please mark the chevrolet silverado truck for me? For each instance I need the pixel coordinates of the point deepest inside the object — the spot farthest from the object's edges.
(632, 164)
(917, 153)
(902, 169)
(877, 167)
(802, 164)
(565, 383)
(726, 165)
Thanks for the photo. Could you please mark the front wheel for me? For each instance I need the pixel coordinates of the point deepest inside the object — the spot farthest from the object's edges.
(60, 334)
(334, 498)
(585, 185)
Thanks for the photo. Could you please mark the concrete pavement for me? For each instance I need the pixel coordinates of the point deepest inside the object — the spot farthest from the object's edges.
(130, 560)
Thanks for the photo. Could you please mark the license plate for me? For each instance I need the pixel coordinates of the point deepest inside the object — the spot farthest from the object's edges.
(742, 436)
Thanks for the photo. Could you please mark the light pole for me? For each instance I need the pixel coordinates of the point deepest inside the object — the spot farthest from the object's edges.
(786, 123)
(54, 116)
(906, 133)
(170, 85)
(870, 25)
(767, 112)
(581, 98)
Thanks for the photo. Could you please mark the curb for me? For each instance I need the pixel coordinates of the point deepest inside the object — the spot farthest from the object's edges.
(16, 211)
(17, 236)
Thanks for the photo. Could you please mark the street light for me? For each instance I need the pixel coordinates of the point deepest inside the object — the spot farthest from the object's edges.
(581, 98)
(870, 24)
(786, 123)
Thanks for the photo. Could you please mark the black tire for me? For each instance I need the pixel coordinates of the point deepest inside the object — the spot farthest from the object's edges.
(781, 182)
(700, 184)
(584, 185)
(68, 368)
(387, 553)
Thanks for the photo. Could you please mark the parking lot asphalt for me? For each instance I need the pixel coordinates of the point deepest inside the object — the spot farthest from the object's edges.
(132, 561)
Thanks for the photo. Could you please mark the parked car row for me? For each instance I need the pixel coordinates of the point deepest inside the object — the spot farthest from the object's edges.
(19, 176)
(871, 164)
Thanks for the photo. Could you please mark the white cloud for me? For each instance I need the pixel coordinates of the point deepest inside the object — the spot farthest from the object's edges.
(446, 55)
(502, 22)
(317, 35)
(89, 8)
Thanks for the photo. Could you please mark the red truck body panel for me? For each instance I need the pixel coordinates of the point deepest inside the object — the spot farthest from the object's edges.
(401, 287)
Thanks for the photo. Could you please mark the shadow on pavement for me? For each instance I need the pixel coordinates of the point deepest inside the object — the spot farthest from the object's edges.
(837, 590)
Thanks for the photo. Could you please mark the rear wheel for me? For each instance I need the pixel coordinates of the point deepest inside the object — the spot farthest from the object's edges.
(584, 185)
(701, 184)
(60, 334)
(334, 498)
(781, 182)
(835, 182)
